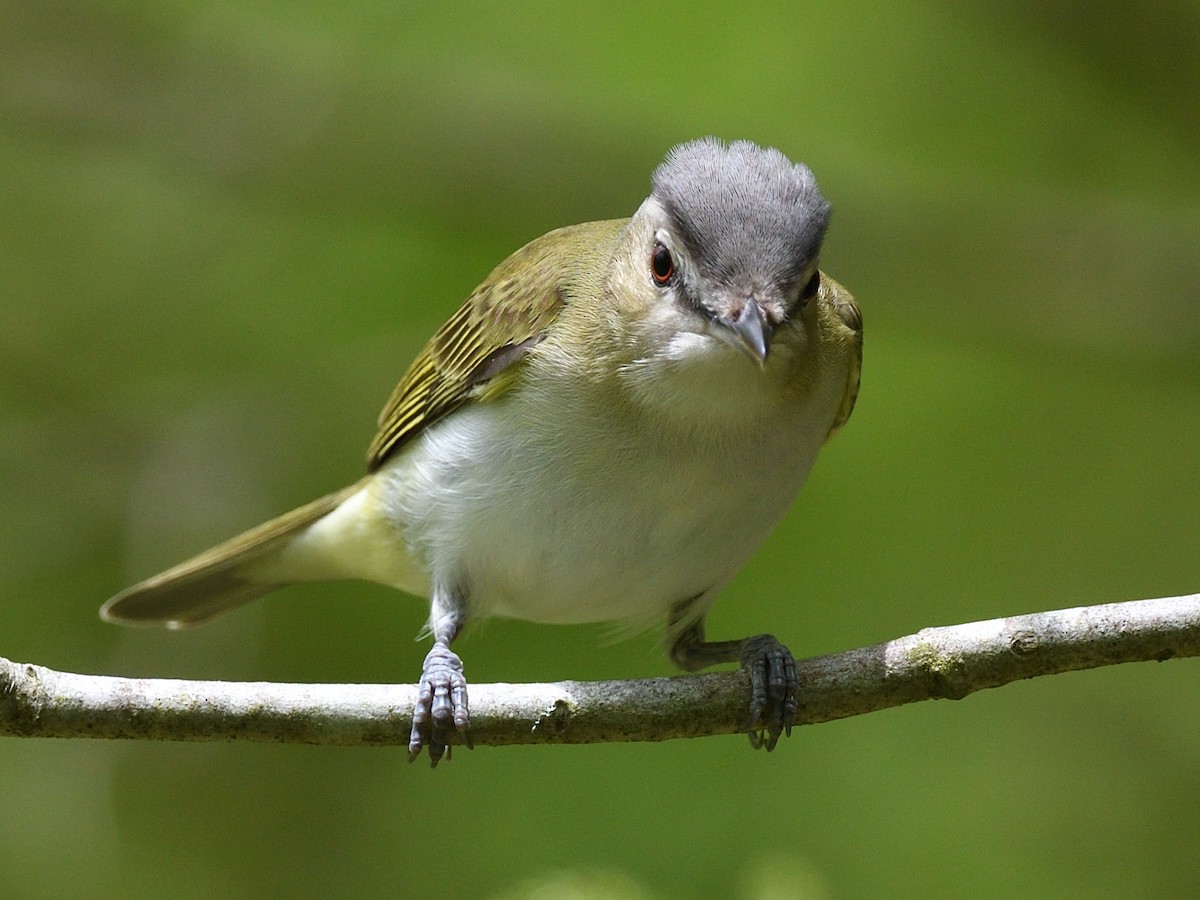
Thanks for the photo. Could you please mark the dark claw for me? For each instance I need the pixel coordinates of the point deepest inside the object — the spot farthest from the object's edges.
(441, 705)
(773, 682)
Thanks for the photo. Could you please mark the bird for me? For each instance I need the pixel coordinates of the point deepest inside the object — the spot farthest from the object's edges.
(606, 430)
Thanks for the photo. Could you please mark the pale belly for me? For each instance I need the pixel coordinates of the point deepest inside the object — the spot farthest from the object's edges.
(531, 517)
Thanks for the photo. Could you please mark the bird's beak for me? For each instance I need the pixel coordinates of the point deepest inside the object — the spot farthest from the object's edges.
(747, 329)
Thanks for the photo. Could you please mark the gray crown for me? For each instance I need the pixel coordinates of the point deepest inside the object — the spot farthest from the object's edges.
(742, 211)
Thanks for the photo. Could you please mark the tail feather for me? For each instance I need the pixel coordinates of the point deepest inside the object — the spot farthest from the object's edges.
(219, 579)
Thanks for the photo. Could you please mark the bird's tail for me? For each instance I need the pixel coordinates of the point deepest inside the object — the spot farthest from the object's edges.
(224, 577)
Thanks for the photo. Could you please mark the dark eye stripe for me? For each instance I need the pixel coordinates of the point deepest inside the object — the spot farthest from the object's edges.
(811, 287)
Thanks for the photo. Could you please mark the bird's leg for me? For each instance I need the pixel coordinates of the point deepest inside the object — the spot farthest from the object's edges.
(442, 690)
(772, 671)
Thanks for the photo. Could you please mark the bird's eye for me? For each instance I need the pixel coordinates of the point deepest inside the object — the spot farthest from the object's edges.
(811, 287)
(662, 265)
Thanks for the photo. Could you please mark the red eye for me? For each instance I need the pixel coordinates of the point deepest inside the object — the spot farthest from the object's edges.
(662, 265)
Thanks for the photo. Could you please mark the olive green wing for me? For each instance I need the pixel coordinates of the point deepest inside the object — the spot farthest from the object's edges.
(503, 319)
(847, 319)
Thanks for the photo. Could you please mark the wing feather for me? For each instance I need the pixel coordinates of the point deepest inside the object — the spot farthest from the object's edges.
(848, 318)
(494, 330)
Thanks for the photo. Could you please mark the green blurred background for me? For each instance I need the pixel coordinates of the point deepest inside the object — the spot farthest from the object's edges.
(227, 227)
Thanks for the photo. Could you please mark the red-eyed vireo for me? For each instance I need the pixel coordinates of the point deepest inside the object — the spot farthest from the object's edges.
(607, 429)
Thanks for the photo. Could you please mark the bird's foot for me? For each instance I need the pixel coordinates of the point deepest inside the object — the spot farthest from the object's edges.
(441, 705)
(773, 684)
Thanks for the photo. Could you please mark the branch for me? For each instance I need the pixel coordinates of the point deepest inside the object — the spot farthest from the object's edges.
(935, 663)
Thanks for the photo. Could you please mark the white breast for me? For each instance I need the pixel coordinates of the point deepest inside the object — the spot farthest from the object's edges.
(569, 503)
